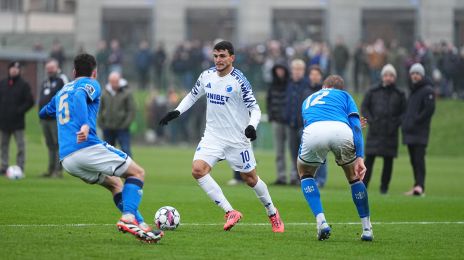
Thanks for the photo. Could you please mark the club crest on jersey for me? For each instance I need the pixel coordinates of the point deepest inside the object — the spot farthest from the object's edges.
(229, 88)
(90, 89)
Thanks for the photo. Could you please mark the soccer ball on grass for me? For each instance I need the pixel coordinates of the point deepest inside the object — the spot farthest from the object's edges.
(167, 218)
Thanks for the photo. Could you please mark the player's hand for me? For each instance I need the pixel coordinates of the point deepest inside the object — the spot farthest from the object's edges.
(169, 116)
(363, 122)
(250, 132)
(83, 134)
(359, 168)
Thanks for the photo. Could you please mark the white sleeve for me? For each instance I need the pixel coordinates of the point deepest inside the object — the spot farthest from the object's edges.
(255, 116)
(250, 102)
(192, 97)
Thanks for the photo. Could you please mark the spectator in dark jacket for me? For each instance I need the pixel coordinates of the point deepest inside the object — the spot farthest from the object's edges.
(117, 111)
(295, 97)
(315, 84)
(341, 57)
(50, 87)
(143, 62)
(384, 106)
(416, 125)
(276, 101)
(15, 100)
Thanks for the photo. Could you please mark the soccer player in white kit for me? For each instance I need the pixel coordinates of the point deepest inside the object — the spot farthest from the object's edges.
(232, 116)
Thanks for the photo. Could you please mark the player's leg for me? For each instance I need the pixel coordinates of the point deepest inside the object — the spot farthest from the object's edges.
(313, 152)
(115, 186)
(360, 199)
(262, 192)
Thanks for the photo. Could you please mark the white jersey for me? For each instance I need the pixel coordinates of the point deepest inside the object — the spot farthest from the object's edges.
(231, 106)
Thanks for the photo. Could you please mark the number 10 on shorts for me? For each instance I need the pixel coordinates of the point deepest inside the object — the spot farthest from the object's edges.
(245, 156)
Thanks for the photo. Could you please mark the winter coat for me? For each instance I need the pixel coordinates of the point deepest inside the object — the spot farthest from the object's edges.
(418, 116)
(295, 97)
(15, 100)
(383, 107)
(117, 109)
(276, 98)
(50, 87)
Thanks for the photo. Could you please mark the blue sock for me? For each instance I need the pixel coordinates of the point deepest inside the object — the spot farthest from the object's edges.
(359, 193)
(312, 195)
(117, 198)
(131, 195)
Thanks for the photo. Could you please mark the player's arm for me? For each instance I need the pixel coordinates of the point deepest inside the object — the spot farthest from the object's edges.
(255, 112)
(186, 103)
(355, 124)
(49, 110)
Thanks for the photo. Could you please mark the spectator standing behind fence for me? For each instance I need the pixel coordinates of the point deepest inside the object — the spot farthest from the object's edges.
(383, 106)
(159, 63)
(143, 62)
(416, 125)
(295, 97)
(102, 56)
(115, 57)
(341, 57)
(117, 111)
(276, 101)
(15, 100)
(315, 76)
(50, 86)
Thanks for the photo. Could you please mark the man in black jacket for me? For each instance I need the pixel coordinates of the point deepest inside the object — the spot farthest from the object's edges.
(15, 100)
(276, 100)
(416, 125)
(383, 106)
(50, 87)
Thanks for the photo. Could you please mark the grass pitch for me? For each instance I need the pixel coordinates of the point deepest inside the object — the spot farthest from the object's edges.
(67, 219)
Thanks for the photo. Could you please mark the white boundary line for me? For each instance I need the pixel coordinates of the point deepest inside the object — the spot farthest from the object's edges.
(248, 224)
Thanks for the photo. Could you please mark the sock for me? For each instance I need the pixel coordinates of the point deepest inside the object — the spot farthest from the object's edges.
(359, 193)
(313, 197)
(263, 195)
(117, 198)
(212, 189)
(366, 223)
(320, 218)
(131, 195)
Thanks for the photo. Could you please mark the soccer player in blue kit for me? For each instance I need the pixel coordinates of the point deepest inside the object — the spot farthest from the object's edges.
(332, 123)
(85, 156)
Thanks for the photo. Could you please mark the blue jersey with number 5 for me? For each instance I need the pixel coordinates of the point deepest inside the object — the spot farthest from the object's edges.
(74, 105)
(328, 104)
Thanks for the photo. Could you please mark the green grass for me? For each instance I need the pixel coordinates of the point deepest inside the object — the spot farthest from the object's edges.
(34, 200)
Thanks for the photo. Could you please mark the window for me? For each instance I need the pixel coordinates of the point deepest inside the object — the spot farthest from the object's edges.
(11, 5)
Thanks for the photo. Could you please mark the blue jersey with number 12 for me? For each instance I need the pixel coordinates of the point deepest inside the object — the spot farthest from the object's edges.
(74, 105)
(328, 104)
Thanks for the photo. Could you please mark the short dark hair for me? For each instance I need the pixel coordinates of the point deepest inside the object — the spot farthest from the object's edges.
(84, 64)
(316, 68)
(334, 81)
(224, 45)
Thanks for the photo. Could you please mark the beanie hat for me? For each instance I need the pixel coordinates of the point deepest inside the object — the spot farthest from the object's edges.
(388, 69)
(417, 68)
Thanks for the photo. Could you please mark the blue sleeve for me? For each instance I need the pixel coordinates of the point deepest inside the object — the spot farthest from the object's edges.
(352, 108)
(80, 106)
(92, 89)
(49, 110)
(358, 140)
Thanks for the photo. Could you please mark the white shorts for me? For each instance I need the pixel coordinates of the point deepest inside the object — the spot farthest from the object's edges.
(212, 150)
(321, 137)
(93, 163)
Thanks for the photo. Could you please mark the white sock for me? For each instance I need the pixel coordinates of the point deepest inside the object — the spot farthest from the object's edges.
(210, 186)
(263, 195)
(320, 218)
(366, 223)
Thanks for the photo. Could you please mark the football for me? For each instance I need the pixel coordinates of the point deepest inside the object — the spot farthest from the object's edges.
(14, 172)
(167, 218)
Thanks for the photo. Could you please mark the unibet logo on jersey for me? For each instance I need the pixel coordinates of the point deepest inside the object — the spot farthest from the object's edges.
(216, 98)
